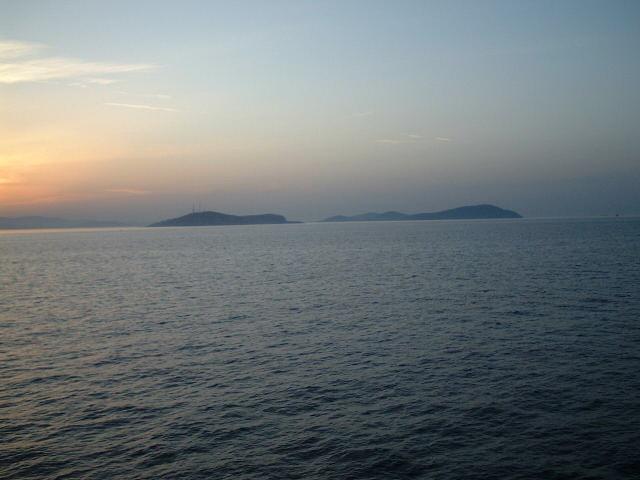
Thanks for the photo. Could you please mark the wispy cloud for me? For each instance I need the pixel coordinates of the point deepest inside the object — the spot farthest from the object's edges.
(159, 96)
(58, 67)
(141, 107)
(404, 138)
(442, 139)
(85, 83)
(15, 49)
(128, 191)
(15, 68)
(102, 81)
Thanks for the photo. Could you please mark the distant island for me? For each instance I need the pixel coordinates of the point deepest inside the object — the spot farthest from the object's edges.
(34, 222)
(201, 219)
(471, 212)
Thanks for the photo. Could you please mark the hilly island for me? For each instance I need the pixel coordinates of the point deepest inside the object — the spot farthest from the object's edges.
(470, 212)
(202, 219)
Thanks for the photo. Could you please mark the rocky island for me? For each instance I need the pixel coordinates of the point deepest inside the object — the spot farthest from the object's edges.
(201, 219)
(470, 212)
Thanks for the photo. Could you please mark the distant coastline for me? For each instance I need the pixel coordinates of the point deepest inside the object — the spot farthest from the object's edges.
(212, 218)
(37, 222)
(469, 212)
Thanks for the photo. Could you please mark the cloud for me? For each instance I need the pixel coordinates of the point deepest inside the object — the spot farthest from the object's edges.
(405, 138)
(58, 67)
(93, 81)
(442, 139)
(19, 69)
(17, 49)
(128, 191)
(99, 81)
(158, 96)
(102, 81)
(141, 107)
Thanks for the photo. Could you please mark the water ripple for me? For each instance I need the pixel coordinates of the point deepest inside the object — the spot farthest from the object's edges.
(450, 350)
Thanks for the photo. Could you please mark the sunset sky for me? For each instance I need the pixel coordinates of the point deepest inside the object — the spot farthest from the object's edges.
(134, 111)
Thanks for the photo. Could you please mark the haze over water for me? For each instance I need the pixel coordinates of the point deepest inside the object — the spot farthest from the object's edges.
(450, 350)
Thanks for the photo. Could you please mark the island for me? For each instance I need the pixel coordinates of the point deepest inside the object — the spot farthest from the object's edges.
(470, 212)
(204, 219)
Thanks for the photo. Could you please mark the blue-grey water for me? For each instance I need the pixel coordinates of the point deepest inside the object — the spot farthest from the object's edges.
(444, 350)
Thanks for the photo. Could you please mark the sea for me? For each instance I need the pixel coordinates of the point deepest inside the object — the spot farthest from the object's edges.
(488, 349)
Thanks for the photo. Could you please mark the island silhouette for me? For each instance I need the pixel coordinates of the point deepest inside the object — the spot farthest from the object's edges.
(209, 218)
(202, 219)
(469, 212)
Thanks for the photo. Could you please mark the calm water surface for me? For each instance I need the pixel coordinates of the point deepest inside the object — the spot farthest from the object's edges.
(445, 350)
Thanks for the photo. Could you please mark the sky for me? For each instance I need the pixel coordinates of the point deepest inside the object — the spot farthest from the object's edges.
(137, 111)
